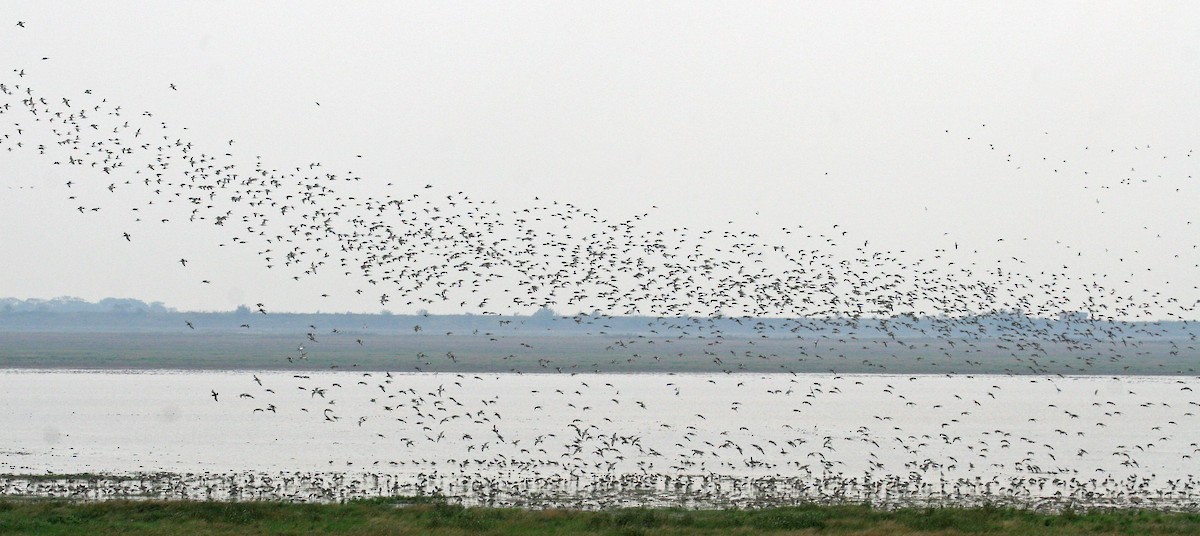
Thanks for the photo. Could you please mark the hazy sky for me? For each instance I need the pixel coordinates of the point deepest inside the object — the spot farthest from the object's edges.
(867, 115)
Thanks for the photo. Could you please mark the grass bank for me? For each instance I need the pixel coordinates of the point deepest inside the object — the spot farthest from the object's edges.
(432, 517)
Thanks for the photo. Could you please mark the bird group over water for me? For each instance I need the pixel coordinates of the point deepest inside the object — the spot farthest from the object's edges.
(781, 298)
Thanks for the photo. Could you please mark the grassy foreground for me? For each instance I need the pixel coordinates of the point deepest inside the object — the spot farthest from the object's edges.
(384, 517)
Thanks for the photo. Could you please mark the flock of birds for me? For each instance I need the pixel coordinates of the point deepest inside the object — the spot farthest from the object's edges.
(604, 440)
(787, 297)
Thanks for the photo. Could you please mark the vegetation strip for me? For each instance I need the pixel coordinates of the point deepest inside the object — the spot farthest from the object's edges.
(433, 516)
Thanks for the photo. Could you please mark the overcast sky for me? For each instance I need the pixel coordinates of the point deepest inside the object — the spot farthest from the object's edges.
(913, 126)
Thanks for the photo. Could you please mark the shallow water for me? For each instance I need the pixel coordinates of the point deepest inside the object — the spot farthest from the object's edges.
(548, 439)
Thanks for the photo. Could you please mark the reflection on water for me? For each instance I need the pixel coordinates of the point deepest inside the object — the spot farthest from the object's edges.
(605, 439)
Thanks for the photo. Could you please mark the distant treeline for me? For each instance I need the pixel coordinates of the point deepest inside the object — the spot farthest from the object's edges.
(67, 304)
(113, 315)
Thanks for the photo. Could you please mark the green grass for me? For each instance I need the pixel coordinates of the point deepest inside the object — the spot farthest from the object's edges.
(431, 516)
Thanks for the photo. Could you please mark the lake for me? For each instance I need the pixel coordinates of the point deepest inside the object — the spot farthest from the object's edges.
(591, 440)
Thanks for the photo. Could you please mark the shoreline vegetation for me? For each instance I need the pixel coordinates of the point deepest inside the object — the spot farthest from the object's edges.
(685, 492)
(435, 516)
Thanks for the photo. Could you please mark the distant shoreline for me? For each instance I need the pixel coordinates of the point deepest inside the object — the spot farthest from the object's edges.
(535, 353)
(532, 351)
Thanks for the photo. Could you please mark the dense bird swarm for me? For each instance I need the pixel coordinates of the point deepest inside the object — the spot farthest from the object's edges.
(806, 294)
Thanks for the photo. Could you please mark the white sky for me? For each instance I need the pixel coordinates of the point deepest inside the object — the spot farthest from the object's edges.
(767, 115)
